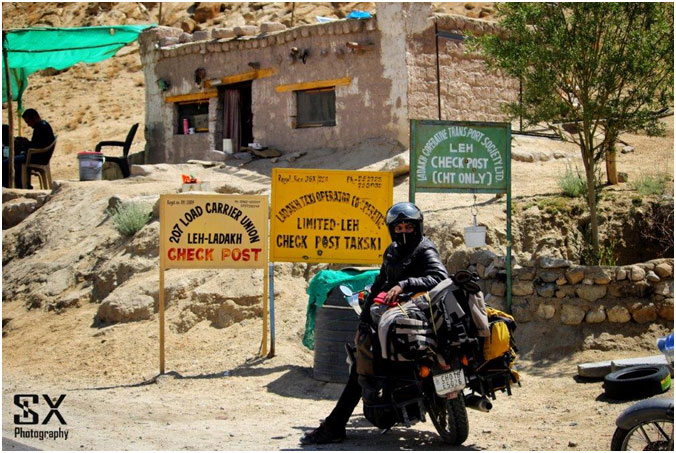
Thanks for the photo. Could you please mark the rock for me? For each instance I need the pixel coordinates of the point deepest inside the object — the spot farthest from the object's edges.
(587, 281)
(498, 288)
(572, 315)
(223, 33)
(74, 298)
(458, 260)
(522, 288)
(245, 156)
(547, 262)
(572, 444)
(525, 273)
(200, 35)
(15, 211)
(627, 149)
(398, 165)
(483, 257)
(652, 277)
(246, 30)
(621, 274)
(499, 303)
(665, 288)
(643, 314)
(596, 315)
(491, 271)
(664, 270)
(618, 314)
(666, 309)
(185, 38)
(522, 156)
(549, 277)
(168, 41)
(566, 291)
(598, 275)
(271, 27)
(206, 11)
(636, 273)
(521, 311)
(58, 282)
(575, 275)
(113, 203)
(591, 293)
(561, 281)
(546, 290)
(559, 155)
(622, 176)
(293, 156)
(127, 307)
(546, 311)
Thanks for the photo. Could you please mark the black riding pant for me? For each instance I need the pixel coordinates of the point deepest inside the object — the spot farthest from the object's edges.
(348, 400)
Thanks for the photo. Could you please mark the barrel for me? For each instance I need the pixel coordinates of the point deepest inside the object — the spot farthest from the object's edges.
(91, 165)
(335, 325)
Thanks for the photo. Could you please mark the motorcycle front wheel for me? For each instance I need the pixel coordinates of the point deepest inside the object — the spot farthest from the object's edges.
(449, 418)
(651, 435)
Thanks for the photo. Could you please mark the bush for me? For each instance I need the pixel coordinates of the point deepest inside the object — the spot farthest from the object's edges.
(130, 217)
(651, 184)
(572, 183)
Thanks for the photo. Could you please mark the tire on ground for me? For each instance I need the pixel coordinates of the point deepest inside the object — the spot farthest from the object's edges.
(637, 382)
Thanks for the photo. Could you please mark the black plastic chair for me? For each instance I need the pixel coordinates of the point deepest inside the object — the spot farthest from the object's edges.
(122, 162)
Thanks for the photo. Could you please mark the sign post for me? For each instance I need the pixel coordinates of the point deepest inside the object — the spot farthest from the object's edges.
(200, 231)
(329, 216)
(464, 157)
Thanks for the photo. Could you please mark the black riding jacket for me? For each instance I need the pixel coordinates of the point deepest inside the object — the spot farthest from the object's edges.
(418, 271)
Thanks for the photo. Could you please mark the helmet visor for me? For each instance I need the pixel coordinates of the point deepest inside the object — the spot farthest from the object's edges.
(403, 211)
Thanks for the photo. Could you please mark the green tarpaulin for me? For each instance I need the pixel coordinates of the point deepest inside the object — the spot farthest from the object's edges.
(319, 288)
(34, 49)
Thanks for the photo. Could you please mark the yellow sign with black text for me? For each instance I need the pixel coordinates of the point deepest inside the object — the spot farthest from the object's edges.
(200, 231)
(329, 216)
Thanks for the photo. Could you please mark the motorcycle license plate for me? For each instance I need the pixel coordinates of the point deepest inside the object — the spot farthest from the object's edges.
(452, 381)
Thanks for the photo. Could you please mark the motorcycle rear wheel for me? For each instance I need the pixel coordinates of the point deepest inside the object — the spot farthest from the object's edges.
(651, 435)
(450, 419)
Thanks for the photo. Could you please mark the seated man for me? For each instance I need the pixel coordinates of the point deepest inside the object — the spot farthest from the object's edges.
(43, 136)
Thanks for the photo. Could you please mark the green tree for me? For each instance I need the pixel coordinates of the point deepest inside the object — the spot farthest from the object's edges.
(598, 69)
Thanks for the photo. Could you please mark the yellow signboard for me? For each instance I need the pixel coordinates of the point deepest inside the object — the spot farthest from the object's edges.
(329, 216)
(213, 231)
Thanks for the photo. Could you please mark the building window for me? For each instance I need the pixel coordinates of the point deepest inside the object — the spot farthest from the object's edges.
(316, 108)
(197, 114)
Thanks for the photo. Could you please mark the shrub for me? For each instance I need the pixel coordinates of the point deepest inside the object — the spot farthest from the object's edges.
(572, 183)
(130, 217)
(651, 184)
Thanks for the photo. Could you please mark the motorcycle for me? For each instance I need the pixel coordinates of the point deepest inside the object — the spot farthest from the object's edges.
(441, 382)
(649, 424)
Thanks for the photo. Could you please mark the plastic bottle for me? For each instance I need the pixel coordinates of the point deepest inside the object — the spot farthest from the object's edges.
(666, 345)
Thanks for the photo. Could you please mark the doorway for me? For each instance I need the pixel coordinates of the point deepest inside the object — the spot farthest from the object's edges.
(237, 118)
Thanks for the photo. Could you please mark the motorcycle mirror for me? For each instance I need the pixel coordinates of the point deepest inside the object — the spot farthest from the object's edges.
(347, 292)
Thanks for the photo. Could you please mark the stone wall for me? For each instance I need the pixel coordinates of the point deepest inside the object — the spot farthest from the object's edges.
(468, 91)
(560, 291)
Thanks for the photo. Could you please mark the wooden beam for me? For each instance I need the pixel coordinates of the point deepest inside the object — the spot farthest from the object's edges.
(313, 85)
(244, 76)
(201, 96)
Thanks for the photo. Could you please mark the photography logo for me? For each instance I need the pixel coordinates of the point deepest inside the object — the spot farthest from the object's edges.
(31, 406)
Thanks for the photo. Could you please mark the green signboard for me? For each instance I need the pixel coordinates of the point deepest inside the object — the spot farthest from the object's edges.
(455, 156)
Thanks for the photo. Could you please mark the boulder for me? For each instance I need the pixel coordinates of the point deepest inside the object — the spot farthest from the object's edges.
(223, 33)
(598, 275)
(664, 270)
(561, 281)
(271, 27)
(572, 315)
(483, 257)
(127, 307)
(168, 41)
(498, 288)
(575, 275)
(185, 38)
(666, 309)
(522, 156)
(521, 311)
(499, 303)
(525, 273)
(246, 30)
(618, 314)
(652, 277)
(206, 11)
(547, 262)
(621, 274)
(522, 288)
(591, 293)
(546, 290)
(549, 277)
(596, 315)
(200, 35)
(58, 282)
(566, 291)
(546, 311)
(15, 211)
(643, 313)
(637, 273)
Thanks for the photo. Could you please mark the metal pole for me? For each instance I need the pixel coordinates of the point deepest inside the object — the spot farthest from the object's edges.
(508, 260)
(161, 319)
(436, 41)
(264, 341)
(10, 113)
(271, 296)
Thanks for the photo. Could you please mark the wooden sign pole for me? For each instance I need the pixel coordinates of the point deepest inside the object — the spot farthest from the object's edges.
(161, 319)
(264, 343)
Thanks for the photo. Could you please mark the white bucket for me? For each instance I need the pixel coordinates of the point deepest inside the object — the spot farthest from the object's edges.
(227, 145)
(475, 236)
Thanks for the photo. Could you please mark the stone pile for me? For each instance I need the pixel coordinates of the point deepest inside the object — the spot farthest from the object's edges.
(560, 291)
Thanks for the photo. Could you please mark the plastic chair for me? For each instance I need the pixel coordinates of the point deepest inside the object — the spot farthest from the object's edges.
(122, 162)
(42, 171)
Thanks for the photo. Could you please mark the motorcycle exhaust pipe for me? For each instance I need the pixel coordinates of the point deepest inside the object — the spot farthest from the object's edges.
(479, 403)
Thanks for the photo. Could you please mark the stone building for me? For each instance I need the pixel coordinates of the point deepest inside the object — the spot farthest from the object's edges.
(327, 85)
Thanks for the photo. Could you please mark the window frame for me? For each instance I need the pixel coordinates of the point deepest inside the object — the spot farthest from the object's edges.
(179, 116)
(326, 123)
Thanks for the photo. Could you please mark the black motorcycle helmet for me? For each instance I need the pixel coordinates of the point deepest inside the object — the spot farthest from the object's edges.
(409, 213)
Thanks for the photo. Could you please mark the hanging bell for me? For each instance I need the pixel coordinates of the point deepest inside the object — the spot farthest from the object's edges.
(475, 236)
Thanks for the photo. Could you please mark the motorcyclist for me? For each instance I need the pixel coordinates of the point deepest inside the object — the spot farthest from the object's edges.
(411, 264)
